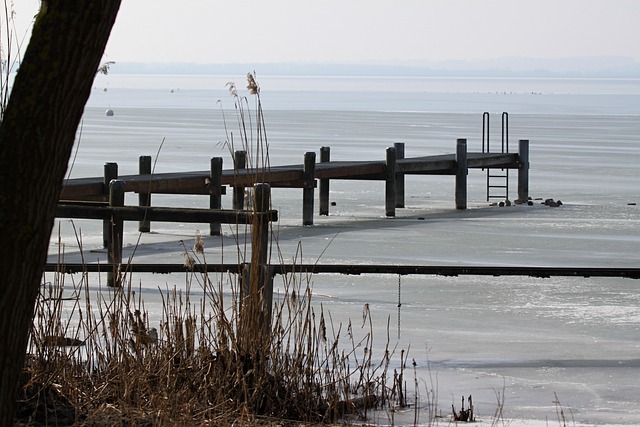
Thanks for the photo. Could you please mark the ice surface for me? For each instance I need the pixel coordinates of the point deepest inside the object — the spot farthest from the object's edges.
(523, 337)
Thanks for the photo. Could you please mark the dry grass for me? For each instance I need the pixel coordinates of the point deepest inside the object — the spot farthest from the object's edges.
(95, 354)
(213, 358)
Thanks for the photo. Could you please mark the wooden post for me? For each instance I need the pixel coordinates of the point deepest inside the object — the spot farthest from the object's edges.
(215, 186)
(308, 189)
(523, 171)
(461, 174)
(390, 183)
(239, 163)
(110, 172)
(116, 232)
(144, 199)
(399, 146)
(260, 251)
(257, 287)
(325, 156)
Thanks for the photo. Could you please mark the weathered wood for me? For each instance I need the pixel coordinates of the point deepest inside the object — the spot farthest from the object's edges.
(399, 146)
(281, 176)
(390, 183)
(110, 173)
(144, 198)
(297, 176)
(523, 171)
(492, 160)
(239, 164)
(325, 157)
(429, 165)
(289, 176)
(355, 269)
(461, 174)
(350, 169)
(161, 214)
(260, 253)
(215, 199)
(256, 284)
(308, 190)
(116, 234)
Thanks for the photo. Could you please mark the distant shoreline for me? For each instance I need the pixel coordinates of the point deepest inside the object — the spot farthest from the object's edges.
(606, 67)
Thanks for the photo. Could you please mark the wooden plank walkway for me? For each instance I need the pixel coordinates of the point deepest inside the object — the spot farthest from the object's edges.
(391, 170)
(286, 176)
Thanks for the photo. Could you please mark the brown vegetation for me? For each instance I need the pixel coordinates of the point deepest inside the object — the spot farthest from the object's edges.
(98, 357)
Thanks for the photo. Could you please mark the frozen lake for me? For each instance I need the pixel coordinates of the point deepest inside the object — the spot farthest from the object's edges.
(525, 337)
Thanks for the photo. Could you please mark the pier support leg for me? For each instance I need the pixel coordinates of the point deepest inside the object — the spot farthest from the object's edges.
(308, 189)
(325, 156)
(215, 187)
(144, 199)
(116, 232)
(461, 174)
(239, 163)
(523, 171)
(399, 146)
(110, 172)
(390, 183)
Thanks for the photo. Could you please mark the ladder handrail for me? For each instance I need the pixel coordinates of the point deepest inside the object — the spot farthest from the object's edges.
(505, 132)
(485, 130)
(504, 149)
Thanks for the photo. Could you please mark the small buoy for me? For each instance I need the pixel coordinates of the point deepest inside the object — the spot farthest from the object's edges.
(171, 91)
(104, 90)
(109, 113)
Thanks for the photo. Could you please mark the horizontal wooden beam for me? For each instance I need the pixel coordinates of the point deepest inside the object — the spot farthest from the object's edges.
(162, 214)
(354, 269)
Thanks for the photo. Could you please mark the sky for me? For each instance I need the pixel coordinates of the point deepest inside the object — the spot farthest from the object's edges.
(366, 31)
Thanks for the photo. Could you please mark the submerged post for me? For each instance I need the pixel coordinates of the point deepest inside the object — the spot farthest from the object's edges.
(461, 174)
(239, 163)
(390, 183)
(399, 146)
(215, 188)
(110, 172)
(308, 189)
(144, 199)
(115, 235)
(523, 171)
(325, 157)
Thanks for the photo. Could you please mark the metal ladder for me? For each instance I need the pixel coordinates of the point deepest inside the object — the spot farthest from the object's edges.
(497, 181)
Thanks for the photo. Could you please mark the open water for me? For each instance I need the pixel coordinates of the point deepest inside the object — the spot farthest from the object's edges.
(530, 340)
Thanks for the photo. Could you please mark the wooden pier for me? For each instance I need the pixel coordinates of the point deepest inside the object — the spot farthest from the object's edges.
(392, 170)
(102, 198)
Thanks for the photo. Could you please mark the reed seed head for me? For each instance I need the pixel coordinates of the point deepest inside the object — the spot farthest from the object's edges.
(198, 247)
(252, 85)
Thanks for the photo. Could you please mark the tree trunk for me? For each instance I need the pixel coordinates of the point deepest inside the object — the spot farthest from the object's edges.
(36, 138)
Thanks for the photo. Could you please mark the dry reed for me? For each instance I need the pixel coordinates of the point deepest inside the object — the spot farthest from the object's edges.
(95, 358)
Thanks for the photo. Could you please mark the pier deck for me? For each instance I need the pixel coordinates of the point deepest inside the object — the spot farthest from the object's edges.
(392, 170)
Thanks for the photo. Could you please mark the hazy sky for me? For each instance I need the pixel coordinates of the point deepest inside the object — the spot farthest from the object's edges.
(258, 31)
